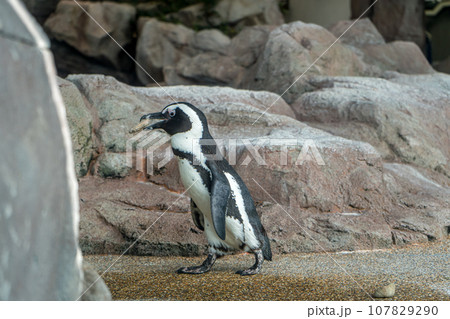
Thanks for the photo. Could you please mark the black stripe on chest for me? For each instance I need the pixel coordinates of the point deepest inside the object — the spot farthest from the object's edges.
(204, 174)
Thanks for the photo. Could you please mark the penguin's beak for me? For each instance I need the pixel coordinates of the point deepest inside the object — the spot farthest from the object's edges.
(154, 116)
(145, 121)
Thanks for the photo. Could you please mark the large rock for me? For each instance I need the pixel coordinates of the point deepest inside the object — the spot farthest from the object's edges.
(357, 34)
(113, 103)
(293, 53)
(401, 20)
(160, 45)
(368, 43)
(116, 213)
(314, 191)
(178, 55)
(40, 258)
(81, 126)
(246, 47)
(395, 19)
(405, 121)
(211, 40)
(115, 108)
(248, 12)
(425, 201)
(269, 58)
(207, 68)
(72, 25)
(93, 288)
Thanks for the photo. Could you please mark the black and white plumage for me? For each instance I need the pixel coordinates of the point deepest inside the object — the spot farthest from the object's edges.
(221, 204)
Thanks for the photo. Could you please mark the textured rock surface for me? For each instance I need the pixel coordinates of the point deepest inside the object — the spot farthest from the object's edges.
(93, 287)
(289, 54)
(268, 57)
(385, 291)
(364, 38)
(160, 45)
(70, 24)
(177, 55)
(401, 20)
(400, 56)
(357, 34)
(80, 124)
(40, 258)
(395, 19)
(408, 122)
(112, 165)
(248, 12)
(314, 190)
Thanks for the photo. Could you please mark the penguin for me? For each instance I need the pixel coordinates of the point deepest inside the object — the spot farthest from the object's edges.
(221, 204)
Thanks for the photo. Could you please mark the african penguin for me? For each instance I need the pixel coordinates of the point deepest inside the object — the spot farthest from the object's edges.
(221, 204)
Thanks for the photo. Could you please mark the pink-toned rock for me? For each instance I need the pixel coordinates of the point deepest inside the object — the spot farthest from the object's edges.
(338, 191)
(291, 55)
(358, 34)
(364, 38)
(400, 56)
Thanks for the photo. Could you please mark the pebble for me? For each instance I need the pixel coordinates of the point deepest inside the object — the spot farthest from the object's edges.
(140, 126)
(385, 291)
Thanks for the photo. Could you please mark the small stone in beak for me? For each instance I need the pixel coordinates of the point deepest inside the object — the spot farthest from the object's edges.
(142, 124)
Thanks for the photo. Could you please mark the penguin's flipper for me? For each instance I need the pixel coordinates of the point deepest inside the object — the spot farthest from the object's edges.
(197, 216)
(220, 193)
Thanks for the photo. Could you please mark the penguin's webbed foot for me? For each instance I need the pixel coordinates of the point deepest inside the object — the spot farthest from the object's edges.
(196, 270)
(248, 272)
(256, 268)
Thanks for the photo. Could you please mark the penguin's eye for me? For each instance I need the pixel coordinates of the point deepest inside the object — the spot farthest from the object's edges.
(172, 113)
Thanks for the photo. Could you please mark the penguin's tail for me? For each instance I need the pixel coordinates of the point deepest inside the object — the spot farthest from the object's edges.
(267, 252)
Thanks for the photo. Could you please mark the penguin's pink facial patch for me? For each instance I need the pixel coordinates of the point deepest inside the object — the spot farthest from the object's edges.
(171, 111)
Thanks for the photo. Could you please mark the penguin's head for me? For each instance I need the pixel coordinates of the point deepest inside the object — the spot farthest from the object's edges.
(179, 117)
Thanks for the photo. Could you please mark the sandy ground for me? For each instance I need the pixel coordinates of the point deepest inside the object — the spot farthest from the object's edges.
(420, 272)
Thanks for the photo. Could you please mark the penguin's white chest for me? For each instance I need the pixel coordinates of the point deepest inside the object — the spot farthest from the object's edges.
(194, 185)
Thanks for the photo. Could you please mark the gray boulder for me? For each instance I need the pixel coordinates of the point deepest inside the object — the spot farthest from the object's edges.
(70, 24)
(368, 43)
(176, 55)
(211, 40)
(160, 45)
(112, 165)
(40, 258)
(247, 12)
(81, 126)
(246, 46)
(94, 288)
(406, 122)
(357, 34)
(289, 54)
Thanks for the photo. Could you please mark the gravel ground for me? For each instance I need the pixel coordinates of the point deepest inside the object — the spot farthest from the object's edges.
(420, 272)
